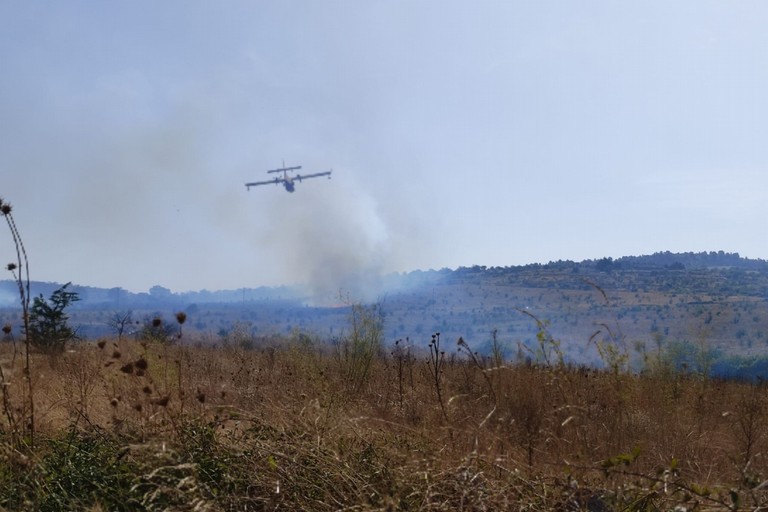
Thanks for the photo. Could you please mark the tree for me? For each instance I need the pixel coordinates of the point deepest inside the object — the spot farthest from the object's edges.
(48, 327)
(160, 293)
(119, 322)
(604, 264)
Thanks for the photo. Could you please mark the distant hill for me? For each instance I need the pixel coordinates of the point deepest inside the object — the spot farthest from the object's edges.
(157, 296)
(713, 299)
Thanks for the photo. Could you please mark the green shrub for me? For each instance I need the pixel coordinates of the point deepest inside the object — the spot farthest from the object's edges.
(48, 327)
(82, 470)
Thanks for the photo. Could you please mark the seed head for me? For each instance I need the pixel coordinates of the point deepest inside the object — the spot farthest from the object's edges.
(11, 267)
(6, 208)
(101, 343)
(7, 329)
(157, 322)
(181, 317)
(162, 402)
(141, 364)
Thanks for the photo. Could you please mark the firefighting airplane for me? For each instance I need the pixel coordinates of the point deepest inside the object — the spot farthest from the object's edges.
(288, 181)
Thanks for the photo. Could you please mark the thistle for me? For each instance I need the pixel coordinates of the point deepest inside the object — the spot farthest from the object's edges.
(162, 401)
(181, 317)
(22, 282)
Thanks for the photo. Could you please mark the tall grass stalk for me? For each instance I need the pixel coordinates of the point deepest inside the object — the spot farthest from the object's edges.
(402, 357)
(436, 363)
(357, 351)
(22, 282)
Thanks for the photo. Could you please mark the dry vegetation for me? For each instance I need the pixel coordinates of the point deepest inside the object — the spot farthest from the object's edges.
(288, 426)
(295, 424)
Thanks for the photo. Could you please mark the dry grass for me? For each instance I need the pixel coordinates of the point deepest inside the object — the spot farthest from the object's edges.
(130, 426)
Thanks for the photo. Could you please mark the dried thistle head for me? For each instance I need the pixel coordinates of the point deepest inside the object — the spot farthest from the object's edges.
(7, 329)
(181, 317)
(11, 267)
(6, 208)
(157, 322)
(162, 402)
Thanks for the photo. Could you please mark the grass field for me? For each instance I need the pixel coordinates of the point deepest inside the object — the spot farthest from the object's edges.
(294, 424)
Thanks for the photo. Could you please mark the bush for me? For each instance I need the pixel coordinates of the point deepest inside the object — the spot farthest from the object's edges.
(81, 470)
(357, 351)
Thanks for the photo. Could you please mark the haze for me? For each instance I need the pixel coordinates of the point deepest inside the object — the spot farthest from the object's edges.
(459, 133)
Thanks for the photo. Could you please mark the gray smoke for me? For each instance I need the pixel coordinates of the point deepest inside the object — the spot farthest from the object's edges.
(329, 236)
(162, 201)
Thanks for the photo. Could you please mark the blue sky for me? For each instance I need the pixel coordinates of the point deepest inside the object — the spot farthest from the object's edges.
(459, 133)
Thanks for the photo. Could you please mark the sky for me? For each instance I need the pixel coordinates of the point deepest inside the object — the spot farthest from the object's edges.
(459, 133)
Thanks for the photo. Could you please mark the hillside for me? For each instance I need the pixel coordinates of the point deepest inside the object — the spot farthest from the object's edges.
(714, 300)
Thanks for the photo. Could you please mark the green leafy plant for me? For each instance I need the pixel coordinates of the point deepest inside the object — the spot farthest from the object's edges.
(549, 351)
(83, 469)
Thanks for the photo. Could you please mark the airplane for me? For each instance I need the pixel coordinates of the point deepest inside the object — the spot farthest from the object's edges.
(288, 181)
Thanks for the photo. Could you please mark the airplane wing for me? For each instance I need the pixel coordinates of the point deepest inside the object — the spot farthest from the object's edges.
(315, 175)
(283, 169)
(275, 181)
